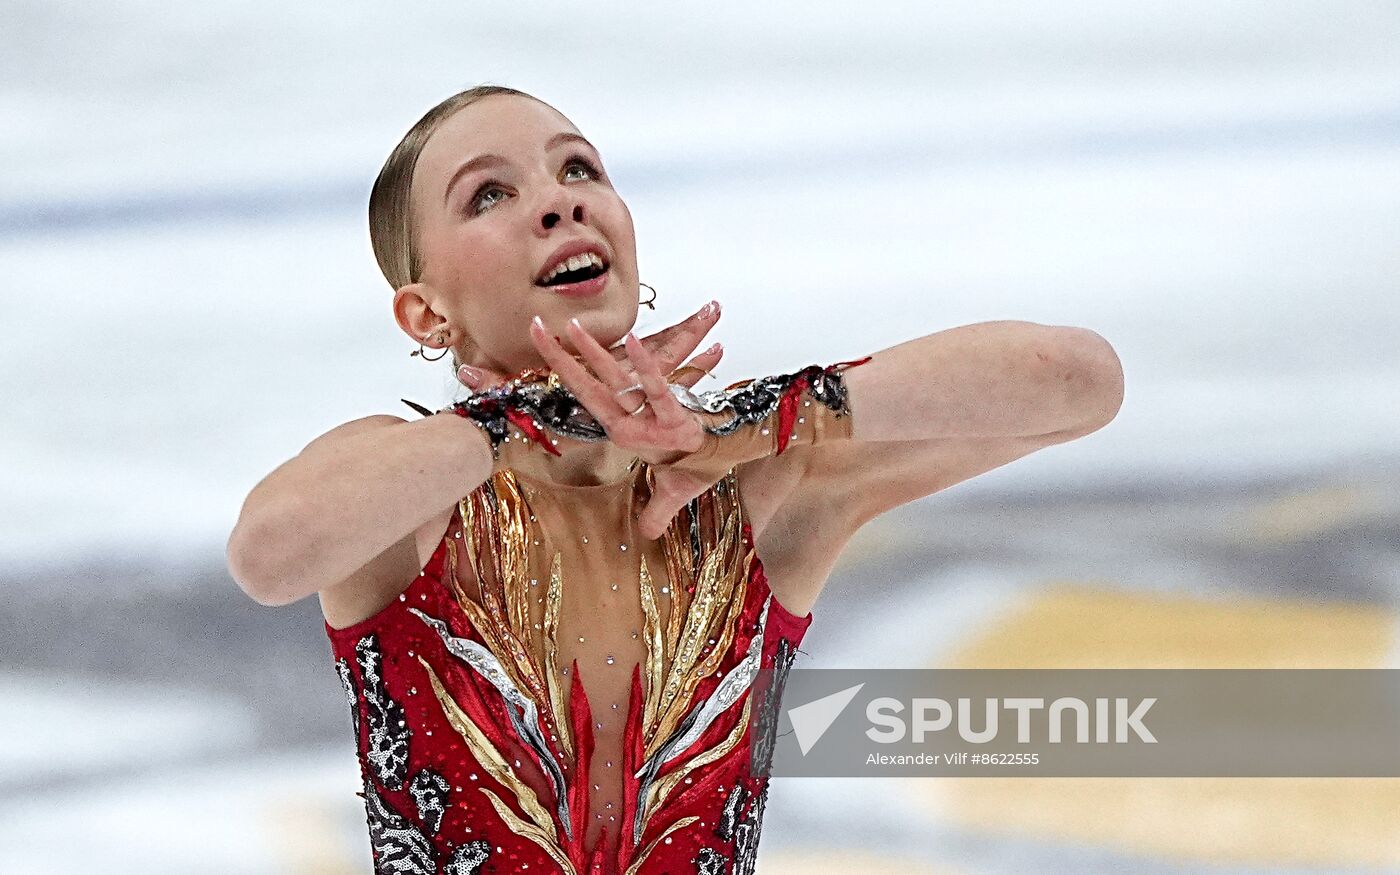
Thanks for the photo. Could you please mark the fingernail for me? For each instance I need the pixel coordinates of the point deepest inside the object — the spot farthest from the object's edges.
(714, 348)
(539, 323)
(470, 375)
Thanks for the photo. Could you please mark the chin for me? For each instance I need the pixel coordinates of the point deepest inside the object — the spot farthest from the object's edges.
(605, 325)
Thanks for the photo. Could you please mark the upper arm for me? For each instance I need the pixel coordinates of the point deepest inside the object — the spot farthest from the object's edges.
(378, 582)
(355, 426)
(329, 441)
(866, 478)
(242, 550)
(810, 505)
(370, 589)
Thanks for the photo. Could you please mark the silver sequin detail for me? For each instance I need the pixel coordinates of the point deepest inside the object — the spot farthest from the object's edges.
(708, 861)
(766, 725)
(429, 791)
(468, 858)
(729, 691)
(526, 721)
(398, 846)
(729, 817)
(747, 833)
(389, 734)
(342, 667)
(758, 399)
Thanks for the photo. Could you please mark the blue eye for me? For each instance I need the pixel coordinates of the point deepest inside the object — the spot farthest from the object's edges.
(585, 163)
(491, 185)
(476, 198)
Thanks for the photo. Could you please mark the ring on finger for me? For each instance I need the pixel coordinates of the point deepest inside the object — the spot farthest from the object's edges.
(639, 408)
(679, 373)
(646, 395)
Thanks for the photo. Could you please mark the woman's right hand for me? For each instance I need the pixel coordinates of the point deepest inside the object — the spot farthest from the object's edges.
(663, 432)
(659, 440)
(669, 346)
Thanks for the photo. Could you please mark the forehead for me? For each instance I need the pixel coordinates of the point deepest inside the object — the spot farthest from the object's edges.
(504, 124)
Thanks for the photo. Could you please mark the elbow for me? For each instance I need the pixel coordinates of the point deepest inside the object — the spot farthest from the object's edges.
(256, 562)
(1087, 376)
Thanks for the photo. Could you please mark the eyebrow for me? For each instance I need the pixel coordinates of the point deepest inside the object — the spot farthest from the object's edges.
(491, 160)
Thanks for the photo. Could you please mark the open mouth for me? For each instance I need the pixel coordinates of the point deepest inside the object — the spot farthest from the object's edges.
(583, 274)
(596, 267)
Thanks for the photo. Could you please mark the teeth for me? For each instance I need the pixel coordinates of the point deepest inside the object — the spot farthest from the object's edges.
(575, 263)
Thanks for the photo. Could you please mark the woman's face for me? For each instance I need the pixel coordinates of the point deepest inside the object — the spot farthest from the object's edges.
(488, 232)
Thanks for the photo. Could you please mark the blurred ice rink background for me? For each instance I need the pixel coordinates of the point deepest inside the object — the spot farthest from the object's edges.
(190, 297)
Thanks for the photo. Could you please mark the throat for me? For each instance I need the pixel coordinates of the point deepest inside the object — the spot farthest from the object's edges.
(583, 469)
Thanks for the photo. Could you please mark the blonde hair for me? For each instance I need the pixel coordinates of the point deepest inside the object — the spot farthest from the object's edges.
(392, 231)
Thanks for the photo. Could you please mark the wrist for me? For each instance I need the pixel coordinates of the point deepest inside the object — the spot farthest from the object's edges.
(764, 417)
(527, 414)
(704, 447)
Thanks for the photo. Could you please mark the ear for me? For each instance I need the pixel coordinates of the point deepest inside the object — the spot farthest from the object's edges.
(413, 311)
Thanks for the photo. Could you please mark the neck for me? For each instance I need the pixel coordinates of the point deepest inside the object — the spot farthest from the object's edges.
(586, 465)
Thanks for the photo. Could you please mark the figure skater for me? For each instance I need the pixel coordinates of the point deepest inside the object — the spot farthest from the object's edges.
(548, 602)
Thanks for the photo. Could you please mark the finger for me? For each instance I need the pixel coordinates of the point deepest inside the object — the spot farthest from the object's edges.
(594, 396)
(660, 338)
(698, 368)
(673, 344)
(477, 378)
(608, 369)
(665, 407)
(673, 490)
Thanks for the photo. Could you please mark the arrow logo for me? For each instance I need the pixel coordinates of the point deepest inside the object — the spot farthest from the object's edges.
(811, 721)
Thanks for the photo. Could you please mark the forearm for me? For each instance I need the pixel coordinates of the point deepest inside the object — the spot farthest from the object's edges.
(324, 514)
(992, 379)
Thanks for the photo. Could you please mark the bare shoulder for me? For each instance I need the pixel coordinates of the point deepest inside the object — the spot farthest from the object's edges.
(798, 533)
(377, 583)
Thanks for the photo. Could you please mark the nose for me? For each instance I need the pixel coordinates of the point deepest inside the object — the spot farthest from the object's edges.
(552, 218)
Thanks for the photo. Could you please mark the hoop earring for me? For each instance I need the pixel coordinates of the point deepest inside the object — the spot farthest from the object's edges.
(419, 351)
(649, 301)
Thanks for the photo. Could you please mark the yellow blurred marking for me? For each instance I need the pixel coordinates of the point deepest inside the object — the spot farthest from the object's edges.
(1289, 821)
(842, 862)
(1070, 625)
(309, 836)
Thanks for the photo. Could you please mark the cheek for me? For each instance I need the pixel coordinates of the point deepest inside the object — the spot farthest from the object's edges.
(627, 235)
(484, 255)
(626, 216)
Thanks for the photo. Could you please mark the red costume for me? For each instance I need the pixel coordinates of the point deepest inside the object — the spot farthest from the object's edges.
(555, 693)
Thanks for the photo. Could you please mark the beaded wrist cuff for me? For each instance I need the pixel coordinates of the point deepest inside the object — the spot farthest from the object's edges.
(540, 408)
(763, 416)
